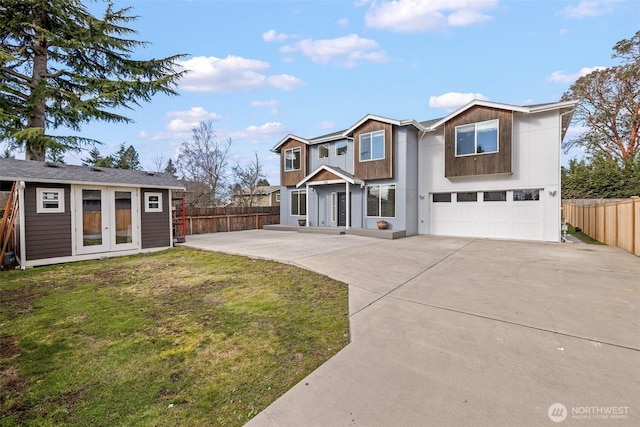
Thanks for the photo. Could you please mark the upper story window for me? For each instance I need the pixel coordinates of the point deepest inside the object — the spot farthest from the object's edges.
(50, 200)
(292, 159)
(342, 148)
(323, 151)
(477, 138)
(372, 146)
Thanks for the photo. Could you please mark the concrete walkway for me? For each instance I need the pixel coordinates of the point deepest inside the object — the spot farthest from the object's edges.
(450, 331)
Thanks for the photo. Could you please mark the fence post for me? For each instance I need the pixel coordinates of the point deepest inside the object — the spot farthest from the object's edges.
(257, 222)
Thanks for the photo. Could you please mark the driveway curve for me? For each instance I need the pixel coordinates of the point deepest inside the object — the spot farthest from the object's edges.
(454, 331)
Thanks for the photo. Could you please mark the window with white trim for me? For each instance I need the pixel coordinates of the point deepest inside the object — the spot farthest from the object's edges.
(50, 200)
(153, 202)
(298, 202)
(477, 138)
(381, 201)
(278, 197)
(342, 148)
(323, 151)
(372, 146)
(292, 159)
(334, 206)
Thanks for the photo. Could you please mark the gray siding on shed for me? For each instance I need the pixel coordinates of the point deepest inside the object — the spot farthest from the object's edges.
(155, 226)
(47, 235)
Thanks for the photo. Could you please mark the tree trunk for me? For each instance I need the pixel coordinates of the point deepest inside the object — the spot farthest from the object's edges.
(36, 150)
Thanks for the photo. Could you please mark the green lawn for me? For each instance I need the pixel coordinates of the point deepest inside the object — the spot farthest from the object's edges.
(581, 236)
(180, 337)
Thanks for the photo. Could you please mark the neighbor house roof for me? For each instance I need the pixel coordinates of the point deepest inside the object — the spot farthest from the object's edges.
(260, 189)
(34, 171)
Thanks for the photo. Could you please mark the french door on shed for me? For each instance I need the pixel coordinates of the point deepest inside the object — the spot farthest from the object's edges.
(106, 219)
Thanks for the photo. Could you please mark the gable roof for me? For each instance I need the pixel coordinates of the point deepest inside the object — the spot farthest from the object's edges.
(368, 117)
(34, 171)
(530, 109)
(340, 173)
(276, 148)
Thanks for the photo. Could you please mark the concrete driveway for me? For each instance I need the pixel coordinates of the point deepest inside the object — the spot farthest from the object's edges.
(450, 331)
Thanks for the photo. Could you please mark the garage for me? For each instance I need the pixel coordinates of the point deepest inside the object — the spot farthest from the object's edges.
(498, 214)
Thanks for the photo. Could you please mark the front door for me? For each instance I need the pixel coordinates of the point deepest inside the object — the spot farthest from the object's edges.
(342, 209)
(106, 219)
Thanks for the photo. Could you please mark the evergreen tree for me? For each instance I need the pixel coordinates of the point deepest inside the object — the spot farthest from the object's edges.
(62, 66)
(94, 158)
(55, 154)
(171, 168)
(126, 158)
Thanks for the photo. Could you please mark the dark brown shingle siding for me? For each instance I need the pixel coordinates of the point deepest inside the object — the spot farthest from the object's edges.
(155, 225)
(47, 235)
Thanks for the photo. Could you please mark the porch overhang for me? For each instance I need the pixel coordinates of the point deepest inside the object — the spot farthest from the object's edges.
(326, 175)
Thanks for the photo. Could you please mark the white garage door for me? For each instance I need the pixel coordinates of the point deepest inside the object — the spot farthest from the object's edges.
(513, 214)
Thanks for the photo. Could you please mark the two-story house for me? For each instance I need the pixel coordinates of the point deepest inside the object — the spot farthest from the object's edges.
(486, 170)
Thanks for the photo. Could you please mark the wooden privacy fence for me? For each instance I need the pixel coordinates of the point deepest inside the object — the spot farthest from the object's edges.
(214, 220)
(614, 222)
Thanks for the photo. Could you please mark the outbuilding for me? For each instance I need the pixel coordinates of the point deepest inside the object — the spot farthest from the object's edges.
(60, 213)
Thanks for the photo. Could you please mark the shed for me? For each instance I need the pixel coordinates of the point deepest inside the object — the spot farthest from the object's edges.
(69, 213)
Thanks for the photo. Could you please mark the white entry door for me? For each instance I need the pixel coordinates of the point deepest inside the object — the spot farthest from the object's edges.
(106, 219)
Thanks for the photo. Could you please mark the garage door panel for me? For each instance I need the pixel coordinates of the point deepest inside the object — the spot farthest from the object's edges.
(504, 220)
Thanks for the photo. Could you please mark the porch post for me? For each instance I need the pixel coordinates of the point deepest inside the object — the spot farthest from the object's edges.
(307, 209)
(348, 201)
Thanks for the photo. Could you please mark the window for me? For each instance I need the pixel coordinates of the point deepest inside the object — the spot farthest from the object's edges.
(441, 197)
(299, 202)
(372, 146)
(494, 196)
(477, 138)
(277, 197)
(292, 159)
(323, 151)
(153, 202)
(467, 197)
(522, 195)
(50, 200)
(342, 148)
(334, 206)
(381, 201)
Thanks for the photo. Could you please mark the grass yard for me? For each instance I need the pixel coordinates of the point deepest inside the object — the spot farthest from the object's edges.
(180, 337)
(581, 236)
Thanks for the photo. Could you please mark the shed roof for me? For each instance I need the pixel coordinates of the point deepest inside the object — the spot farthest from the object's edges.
(35, 171)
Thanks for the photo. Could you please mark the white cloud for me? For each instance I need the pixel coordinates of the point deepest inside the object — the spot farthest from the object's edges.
(274, 36)
(410, 16)
(346, 51)
(271, 103)
(452, 100)
(326, 124)
(255, 134)
(589, 8)
(564, 77)
(233, 73)
(180, 124)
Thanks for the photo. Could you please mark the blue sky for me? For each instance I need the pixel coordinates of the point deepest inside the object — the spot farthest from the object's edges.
(263, 69)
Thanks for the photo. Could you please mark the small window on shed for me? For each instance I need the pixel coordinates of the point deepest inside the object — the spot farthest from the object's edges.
(153, 202)
(50, 200)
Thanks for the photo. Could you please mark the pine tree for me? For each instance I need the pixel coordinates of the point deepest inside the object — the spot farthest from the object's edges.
(94, 158)
(126, 158)
(171, 168)
(60, 66)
